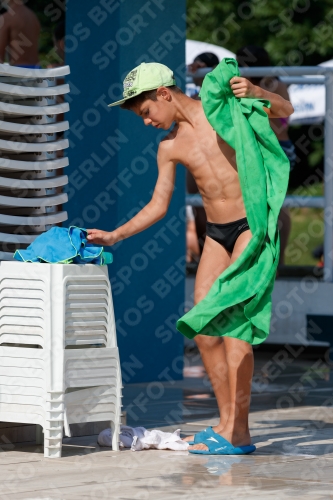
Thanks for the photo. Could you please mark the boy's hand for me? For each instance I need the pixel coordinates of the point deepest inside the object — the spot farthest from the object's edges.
(101, 237)
(242, 87)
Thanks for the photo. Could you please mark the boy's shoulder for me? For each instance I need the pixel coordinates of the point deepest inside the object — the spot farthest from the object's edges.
(168, 141)
(166, 147)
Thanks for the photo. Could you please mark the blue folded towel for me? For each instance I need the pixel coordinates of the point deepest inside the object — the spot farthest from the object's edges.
(61, 245)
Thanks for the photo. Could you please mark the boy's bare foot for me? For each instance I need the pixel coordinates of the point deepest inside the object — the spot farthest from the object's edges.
(217, 428)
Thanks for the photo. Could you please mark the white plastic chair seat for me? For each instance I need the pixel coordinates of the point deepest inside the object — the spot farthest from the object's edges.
(28, 337)
(28, 82)
(20, 90)
(18, 390)
(86, 327)
(76, 335)
(21, 147)
(32, 175)
(84, 298)
(90, 304)
(28, 317)
(92, 311)
(17, 238)
(101, 394)
(16, 288)
(29, 101)
(14, 71)
(30, 138)
(17, 109)
(13, 313)
(83, 307)
(8, 164)
(45, 201)
(30, 119)
(21, 372)
(29, 157)
(90, 322)
(89, 340)
(73, 321)
(97, 402)
(26, 128)
(25, 230)
(15, 303)
(85, 288)
(33, 415)
(34, 221)
(49, 182)
(6, 256)
(22, 399)
(97, 367)
(29, 193)
(28, 210)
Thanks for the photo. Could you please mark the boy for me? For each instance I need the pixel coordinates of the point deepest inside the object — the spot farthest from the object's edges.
(150, 91)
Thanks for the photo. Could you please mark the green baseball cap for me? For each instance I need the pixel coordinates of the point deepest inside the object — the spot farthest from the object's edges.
(146, 76)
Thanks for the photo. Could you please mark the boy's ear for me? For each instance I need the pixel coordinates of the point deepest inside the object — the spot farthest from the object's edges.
(164, 92)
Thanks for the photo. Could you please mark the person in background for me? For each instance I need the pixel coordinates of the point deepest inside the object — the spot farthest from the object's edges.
(204, 60)
(19, 35)
(59, 47)
(253, 56)
(59, 41)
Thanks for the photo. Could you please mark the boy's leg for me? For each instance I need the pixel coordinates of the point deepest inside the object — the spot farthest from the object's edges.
(239, 356)
(284, 228)
(214, 260)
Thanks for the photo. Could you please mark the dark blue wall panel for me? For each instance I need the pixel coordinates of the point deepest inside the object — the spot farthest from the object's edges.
(113, 172)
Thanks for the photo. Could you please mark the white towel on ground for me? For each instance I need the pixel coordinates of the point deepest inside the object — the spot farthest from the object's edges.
(139, 438)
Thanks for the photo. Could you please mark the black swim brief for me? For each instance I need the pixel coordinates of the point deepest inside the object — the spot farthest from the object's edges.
(227, 234)
(290, 152)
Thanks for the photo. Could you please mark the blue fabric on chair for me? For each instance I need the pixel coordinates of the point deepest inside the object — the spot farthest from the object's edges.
(61, 245)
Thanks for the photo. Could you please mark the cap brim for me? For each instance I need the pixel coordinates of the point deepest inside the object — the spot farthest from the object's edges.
(117, 103)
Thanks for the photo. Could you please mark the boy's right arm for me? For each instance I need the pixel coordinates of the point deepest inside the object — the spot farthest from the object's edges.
(153, 211)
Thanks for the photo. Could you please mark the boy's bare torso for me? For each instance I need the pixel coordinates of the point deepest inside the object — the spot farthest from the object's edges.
(195, 144)
(212, 163)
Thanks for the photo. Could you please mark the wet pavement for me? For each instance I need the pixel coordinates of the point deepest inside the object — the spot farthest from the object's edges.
(291, 423)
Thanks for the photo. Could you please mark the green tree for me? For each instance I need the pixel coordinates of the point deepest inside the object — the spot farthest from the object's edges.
(294, 32)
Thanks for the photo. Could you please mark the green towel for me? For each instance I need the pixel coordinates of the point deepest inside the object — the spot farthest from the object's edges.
(239, 302)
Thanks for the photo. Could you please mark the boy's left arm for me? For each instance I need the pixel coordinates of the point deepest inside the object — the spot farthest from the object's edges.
(280, 107)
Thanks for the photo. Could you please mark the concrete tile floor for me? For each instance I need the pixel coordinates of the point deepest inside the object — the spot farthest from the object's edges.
(291, 423)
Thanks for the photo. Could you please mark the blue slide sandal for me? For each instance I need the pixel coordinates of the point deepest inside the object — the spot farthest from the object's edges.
(217, 445)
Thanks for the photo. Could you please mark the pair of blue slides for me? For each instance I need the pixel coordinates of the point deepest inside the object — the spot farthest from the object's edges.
(217, 445)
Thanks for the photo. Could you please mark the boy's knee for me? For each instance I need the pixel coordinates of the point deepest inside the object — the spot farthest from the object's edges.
(206, 342)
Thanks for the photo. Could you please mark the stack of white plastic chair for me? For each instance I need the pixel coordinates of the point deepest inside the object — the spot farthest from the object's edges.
(59, 361)
(30, 201)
